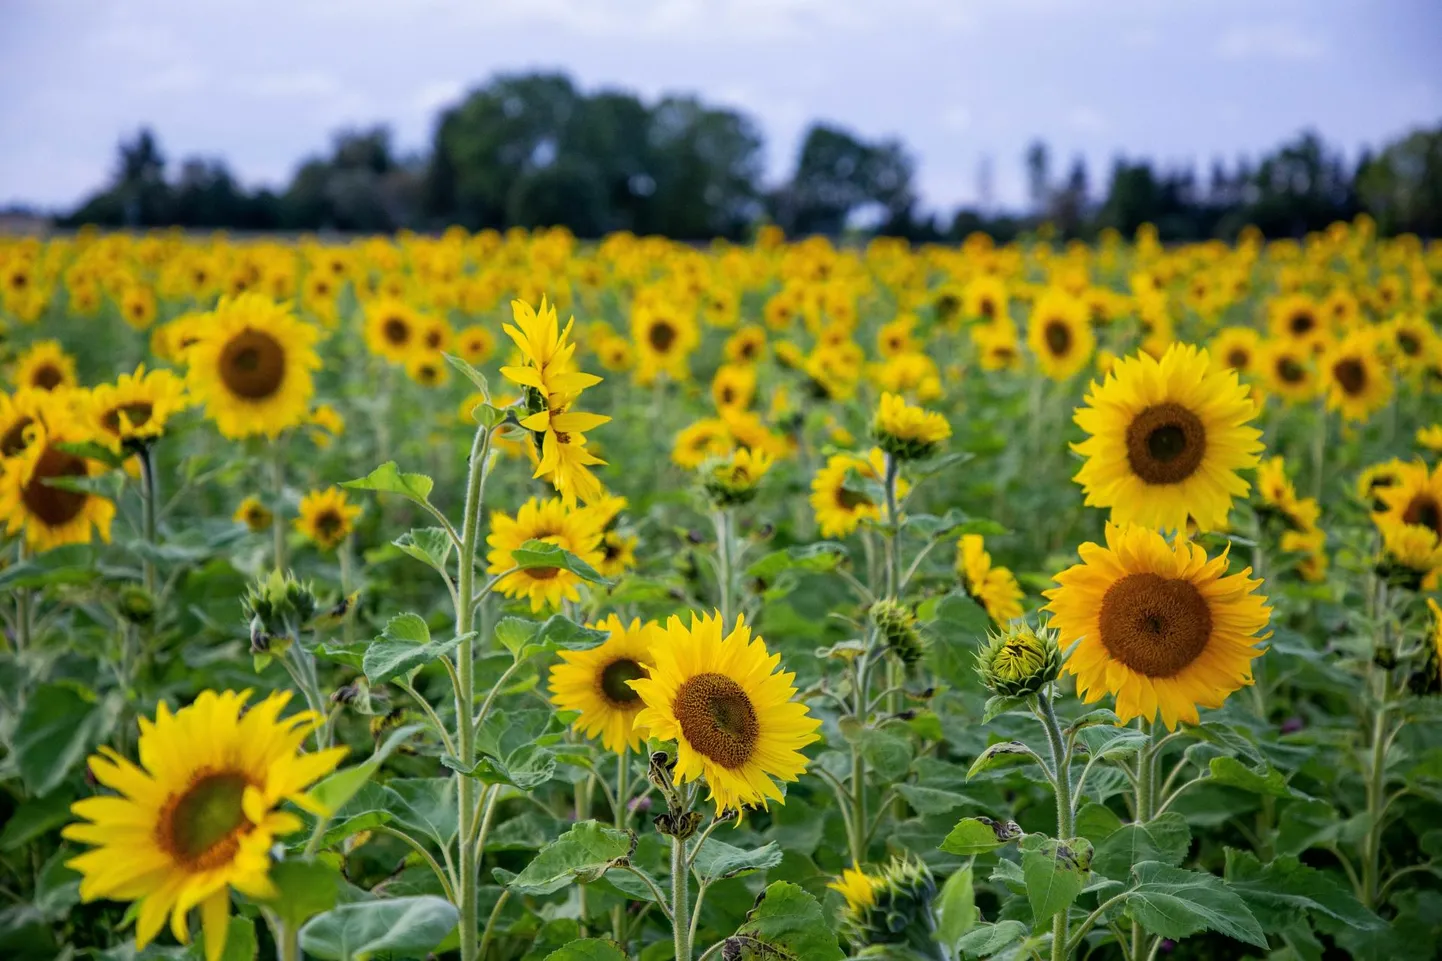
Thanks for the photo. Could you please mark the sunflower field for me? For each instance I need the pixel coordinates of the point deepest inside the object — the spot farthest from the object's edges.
(511, 597)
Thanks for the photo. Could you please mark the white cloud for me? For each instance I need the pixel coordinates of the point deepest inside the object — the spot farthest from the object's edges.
(1269, 41)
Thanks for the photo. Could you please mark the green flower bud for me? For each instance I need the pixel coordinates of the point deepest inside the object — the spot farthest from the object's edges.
(892, 907)
(897, 627)
(1019, 661)
(136, 604)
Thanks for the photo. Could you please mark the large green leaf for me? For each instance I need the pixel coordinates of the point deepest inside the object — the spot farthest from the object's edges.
(307, 887)
(60, 724)
(786, 925)
(812, 558)
(404, 646)
(429, 545)
(717, 860)
(1174, 903)
(955, 908)
(543, 554)
(334, 791)
(34, 817)
(523, 637)
(388, 479)
(1263, 779)
(1166, 839)
(1055, 872)
(588, 949)
(984, 940)
(979, 835)
(584, 853)
(405, 927)
(1276, 891)
(427, 805)
(887, 754)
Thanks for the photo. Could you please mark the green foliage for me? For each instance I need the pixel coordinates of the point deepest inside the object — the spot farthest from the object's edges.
(583, 854)
(787, 924)
(403, 926)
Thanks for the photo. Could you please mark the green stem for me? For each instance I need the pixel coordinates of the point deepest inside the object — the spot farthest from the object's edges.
(289, 943)
(893, 529)
(277, 485)
(491, 921)
(466, 695)
(1146, 802)
(347, 578)
(722, 518)
(1377, 768)
(149, 497)
(1061, 767)
(680, 912)
(858, 808)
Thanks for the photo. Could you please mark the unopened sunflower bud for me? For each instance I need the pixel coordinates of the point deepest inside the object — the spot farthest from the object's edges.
(897, 627)
(893, 907)
(136, 604)
(735, 478)
(1019, 661)
(906, 432)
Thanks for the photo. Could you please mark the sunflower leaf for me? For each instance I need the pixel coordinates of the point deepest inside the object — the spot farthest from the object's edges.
(1264, 779)
(429, 545)
(985, 940)
(334, 791)
(717, 860)
(307, 887)
(403, 927)
(813, 558)
(980, 835)
(535, 554)
(1276, 891)
(403, 646)
(584, 853)
(59, 724)
(1174, 903)
(787, 924)
(955, 908)
(473, 375)
(1165, 839)
(388, 479)
(588, 949)
(1055, 871)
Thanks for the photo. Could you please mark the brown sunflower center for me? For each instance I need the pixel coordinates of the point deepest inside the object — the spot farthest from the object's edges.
(1409, 343)
(252, 365)
(1058, 337)
(613, 681)
(1351, 375)
(329, 523)
(1424, 510)
(1238, 359)
(433, 339)
(396, 331)
(201, 827)
(1290, 371)
(1154, 625)
(987, 308)
(661, 336)
(12, 441)
(947, 305)
(718, 719)
(136, 415)
(1301, 323)
(1166, 443)
(47, 377)
(54, 506)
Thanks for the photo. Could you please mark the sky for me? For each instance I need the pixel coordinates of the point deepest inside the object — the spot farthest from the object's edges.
(966, 84)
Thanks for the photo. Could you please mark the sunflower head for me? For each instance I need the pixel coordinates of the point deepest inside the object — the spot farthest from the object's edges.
(596, 682)
(134, 411)
(253, 513)
(326, 517)
(735, 478)
(31, 496)
(892, 907)
(45, 366)
(1410, 552)
(550, 521)
(278, 606)
(1019, 661)
(896, 625)
(906, 432)
(1159, 625)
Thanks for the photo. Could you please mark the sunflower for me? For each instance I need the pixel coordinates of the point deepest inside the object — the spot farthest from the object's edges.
(199, 817)
(1236, 348)
(1158, 625)
(1357, 384)
(735, 478)
(705, 439)
(253, 513)
(857, 887)
(1297, 319)
(475, 344)
(134, 410)
(251, 367)
(19, 411)
(946, 304)
(912, 373)
(547, 350)
(45, 366)
(326, 518)
(428, 368)
(1415, 499)
(994, 587)
(326, 424)
(1167, 438)
(747, 345)
(595, 682)
(664, 337)
(733, 716)
(564, 460)
(897, 336)
(1411, 548)
(1377, 478)
(52, 516)
(985, 299)
(1287, 370)
(1059, 336)
(1412, 341)
(549, 520)
(618, 553)
(137, 306)
(997, 345)
(392, 329)
(1430, 437)
(733, 386)
(839, 508)
(907, 432)
(436, 335)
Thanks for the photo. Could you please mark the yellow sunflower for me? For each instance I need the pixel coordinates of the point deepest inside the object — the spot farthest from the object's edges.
(549, 521)
(747, 345)
(985, 299)
(564, 460)
(694, 445)
(1430, 437)
(1412, 341)
(1296, 318)
(475, 344)
(19, 411)
(733, 716)
(1167, 438)
(857, 887)
(1287, 371)
(1059, 335)
(1236, 348)
(326, 424)
(1377, 478)
(251, 367)
(428, 368)
(52, 516)
(1413, 547)
(392, 329)
(908, 432)
(595, 682)
(840, 509)
(1159, 626)
(45, 366)
(326, 518)
(137, 306)
(1357, 384)
(733, 386)
(995, 588)
(1415, 499)
(136, 408)
(199, 817)
(664, 336)
(253, 513)
(547, 349)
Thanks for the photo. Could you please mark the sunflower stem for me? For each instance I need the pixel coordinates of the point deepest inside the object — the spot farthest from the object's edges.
(1377, 766)
(1146, 801)
(478, 467)
(680, 912)
(347, 576)
(149, 496)
(277, 486)
(1061, 767)
(722, 518)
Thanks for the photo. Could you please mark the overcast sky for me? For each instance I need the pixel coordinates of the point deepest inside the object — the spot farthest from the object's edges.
(262, 83)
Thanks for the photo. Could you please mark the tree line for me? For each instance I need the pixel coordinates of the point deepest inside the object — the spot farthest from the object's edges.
(532, 150)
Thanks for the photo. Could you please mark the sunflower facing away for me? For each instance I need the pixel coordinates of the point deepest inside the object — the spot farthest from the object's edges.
(595, 682)
(575, 530)
(1167, 438)
(1159, 626)
(198, 816)
(857, 887)
(251, 367)
(326, 518)
(994, 587)
(733, 716)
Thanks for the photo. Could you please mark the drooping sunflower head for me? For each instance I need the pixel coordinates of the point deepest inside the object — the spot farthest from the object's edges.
(1059, 335)
(550, 521)
(596, 682)
(326, 517)
(735, 478)
(857, 887)
(1160, 626)
(731, 712)
(251, 367)
(30, 500)
(892, 907)
(1357, 383)
(199, 816)
(907, 432)
(136, 408)
(994, 587)
(253, 513)
(1167, 438)
(45, 366)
